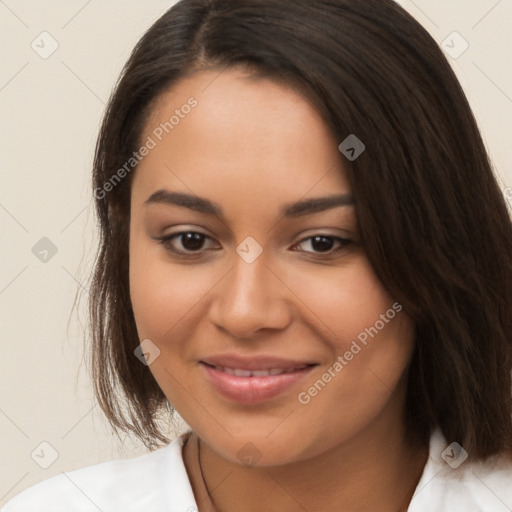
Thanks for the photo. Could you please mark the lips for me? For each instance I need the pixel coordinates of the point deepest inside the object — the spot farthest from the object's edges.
(253, 380)
(238, 372)
(254, 363)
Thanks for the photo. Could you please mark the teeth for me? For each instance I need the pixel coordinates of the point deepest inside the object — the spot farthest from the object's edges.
(258, 373)
(242, 373)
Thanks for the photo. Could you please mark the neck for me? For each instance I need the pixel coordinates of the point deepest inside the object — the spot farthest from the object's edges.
(375, 470)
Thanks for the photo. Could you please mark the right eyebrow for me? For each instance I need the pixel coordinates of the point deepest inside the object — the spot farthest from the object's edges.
(196, 203)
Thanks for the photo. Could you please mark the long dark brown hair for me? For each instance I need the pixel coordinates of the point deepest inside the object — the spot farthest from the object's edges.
(432, 218)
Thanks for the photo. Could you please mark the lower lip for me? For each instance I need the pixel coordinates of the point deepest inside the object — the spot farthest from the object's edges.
(253, 390)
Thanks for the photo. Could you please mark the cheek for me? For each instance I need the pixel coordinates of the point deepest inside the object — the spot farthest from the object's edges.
(344, 301)
(368, 328)
(363, 376)
(163, 294)
(370, 341)
(164, 299)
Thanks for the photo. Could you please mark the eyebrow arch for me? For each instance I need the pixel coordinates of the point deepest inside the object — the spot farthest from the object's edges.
(192, 202)
(315, 205)
(203, 205)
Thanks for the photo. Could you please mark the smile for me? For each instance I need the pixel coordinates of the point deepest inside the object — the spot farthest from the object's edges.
(237, 372)
(255, 382)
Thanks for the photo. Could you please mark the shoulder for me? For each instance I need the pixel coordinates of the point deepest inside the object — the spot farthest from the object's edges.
(146, 482)
(451, 483)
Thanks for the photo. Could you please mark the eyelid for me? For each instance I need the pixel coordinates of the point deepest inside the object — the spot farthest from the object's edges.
(166, 242)
(344, 243)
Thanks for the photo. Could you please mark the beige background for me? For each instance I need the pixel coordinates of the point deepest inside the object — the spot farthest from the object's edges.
(50, 110)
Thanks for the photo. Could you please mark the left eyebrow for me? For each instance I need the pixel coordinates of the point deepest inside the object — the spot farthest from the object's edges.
(315, 205)
(203, 205)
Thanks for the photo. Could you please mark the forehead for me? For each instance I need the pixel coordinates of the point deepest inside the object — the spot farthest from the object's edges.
(243, 133)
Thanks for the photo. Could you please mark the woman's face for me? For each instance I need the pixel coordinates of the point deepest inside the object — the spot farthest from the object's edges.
(245, 257)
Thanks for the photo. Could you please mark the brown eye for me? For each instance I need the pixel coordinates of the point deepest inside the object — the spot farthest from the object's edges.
(185, 242)
(192, 241)
(324, 244)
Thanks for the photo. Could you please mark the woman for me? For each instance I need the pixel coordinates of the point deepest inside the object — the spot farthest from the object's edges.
(305, 253)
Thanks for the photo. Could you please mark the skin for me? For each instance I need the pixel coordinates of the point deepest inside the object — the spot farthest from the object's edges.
(252, 145)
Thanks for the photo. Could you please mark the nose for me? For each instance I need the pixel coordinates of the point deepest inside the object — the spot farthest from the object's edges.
(250, 299)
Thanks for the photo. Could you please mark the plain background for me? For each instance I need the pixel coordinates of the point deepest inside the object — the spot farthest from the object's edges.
(51, 109)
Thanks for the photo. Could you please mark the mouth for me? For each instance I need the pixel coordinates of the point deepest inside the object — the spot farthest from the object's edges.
(253, 381)
(239, 372)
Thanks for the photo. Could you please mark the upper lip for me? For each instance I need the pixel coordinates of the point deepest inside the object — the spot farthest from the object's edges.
(254, 363)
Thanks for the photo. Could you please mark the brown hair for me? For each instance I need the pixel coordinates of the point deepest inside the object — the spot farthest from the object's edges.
(431, 215)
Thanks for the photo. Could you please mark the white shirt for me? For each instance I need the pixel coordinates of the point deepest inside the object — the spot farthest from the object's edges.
(158, 482)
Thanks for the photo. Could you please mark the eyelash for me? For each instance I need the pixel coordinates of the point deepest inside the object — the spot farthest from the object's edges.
(166, 242)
